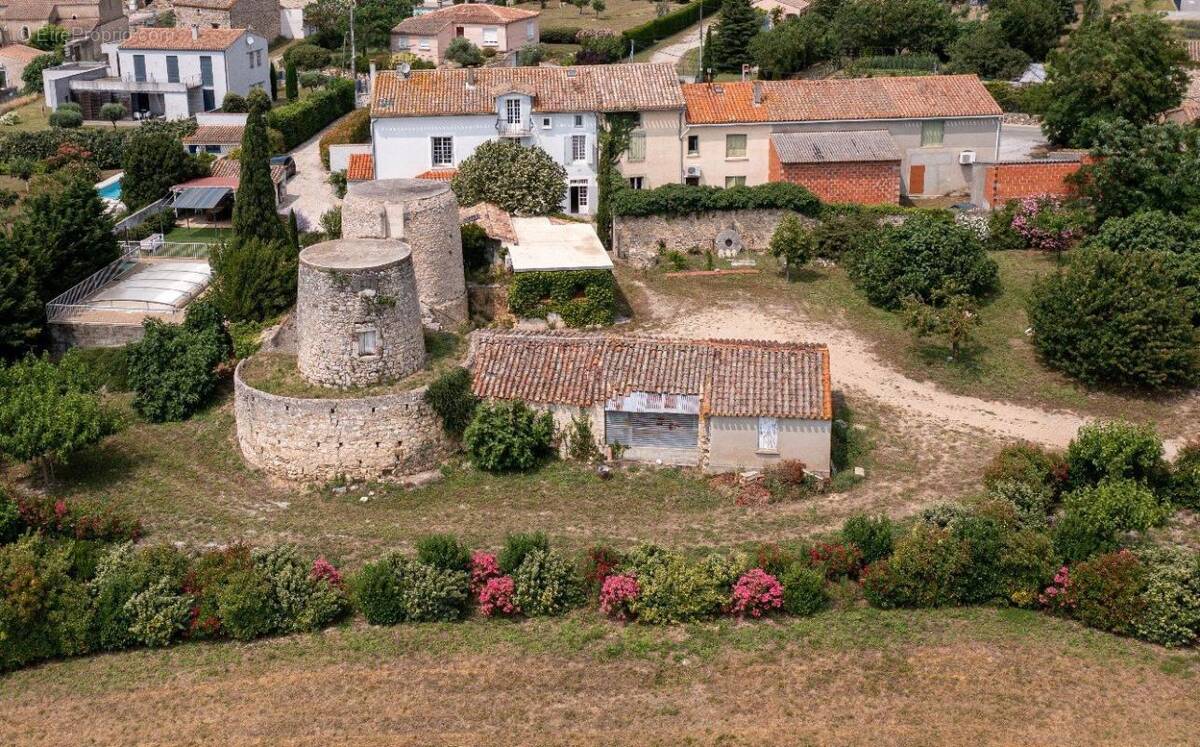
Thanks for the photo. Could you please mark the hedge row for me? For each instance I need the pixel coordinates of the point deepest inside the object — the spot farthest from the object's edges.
(106, 145)
(355, 127)
(655, 30)
(301, 119)
(581, 297)
(682, 199)
(559, 34)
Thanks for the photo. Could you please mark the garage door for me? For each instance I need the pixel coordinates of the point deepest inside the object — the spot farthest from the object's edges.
(652, 429)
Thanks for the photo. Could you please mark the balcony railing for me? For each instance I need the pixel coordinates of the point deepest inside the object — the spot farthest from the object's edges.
(523, 128)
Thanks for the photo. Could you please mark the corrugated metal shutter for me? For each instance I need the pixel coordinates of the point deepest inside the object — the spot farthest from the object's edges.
(652, 429)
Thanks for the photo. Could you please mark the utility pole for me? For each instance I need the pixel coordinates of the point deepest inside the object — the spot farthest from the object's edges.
(353, 55)
(700, 60)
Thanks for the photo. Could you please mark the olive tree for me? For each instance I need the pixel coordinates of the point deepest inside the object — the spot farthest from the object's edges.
(520, 179)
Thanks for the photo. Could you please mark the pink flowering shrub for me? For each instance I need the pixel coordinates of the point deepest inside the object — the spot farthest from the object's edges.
(617, 595)
(496, 597)
(484, 567)
(756, 593)
(323, 570)
(1043, 225)
(1058, 596)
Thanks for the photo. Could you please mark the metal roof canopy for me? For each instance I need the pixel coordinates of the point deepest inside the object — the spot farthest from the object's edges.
(200, 198)
(546, 246)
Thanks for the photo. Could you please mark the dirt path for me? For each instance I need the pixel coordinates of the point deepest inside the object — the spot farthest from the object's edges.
(856, 369)
(674, 52)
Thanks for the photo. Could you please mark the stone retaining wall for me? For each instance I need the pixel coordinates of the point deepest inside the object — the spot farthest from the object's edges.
(316, 440)
(637, 238)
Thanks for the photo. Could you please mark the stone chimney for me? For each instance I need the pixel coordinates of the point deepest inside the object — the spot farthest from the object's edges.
(471, 77)
(758, 92)
(195, 31)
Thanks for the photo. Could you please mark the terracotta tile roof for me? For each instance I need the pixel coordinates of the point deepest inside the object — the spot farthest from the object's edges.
(437, 175)
(582, 88)
(226, 167)
(835, 147)
(435, 21)
(215, 135)
(360, 168)
(19, 53)
(30, 10)
(917, 97)
(492, 218)
(733, 378)
(207, 40)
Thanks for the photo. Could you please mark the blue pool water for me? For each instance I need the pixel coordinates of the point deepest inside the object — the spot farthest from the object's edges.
(111, 191)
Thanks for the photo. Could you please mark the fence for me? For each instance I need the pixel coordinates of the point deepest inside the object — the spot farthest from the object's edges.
(135, 219)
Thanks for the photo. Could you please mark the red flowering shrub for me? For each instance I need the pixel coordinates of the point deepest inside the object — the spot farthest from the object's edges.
(323, 570)
(84, 520)
(203, 583)
(484, 567)
(496, 597)
(617, 594)
(835, 559)
(1107, 591)
(756, 593)
(598, 565)
(1059, 597)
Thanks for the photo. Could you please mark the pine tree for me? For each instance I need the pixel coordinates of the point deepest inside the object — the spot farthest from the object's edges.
(738, 25)
(254, 205)
(20, 307)
(292, 82)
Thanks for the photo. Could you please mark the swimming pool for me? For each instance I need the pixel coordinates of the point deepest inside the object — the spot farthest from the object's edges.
(110, 189)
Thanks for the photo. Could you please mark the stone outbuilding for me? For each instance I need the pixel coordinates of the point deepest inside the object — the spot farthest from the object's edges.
(259, 15)
(425, 215)
(718, 404)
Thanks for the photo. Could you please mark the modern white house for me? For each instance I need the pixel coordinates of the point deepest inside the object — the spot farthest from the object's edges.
(425, 123)
(167, 73)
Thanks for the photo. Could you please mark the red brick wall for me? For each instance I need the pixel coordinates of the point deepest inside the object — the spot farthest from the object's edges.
(1012, 181)
(865, 183)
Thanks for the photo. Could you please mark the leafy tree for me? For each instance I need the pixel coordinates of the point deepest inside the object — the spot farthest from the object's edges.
(792, 243)
(1032, 26)
(20, 305)
(529, 55)
(64, 231)
(508, 437)
(1156, 167)
(462, 51)
(738, 26)
(599, 47)
(981, 49)
(113, 111)
(234, 103)
(1117, 319)
(919, 258)
(254, 204)
(580, 4)
(523, 180)
(50, 38)
(793, 45)
(254, 279)
(154, 161)
(31, 76)
(875, 26)
(613, 142)
(373, 21)
(954, 316)
(48, 412)
(307, 56)
(173, 367)
(599, 6)
(291, 84)
(1122, 66)
(1117, 450)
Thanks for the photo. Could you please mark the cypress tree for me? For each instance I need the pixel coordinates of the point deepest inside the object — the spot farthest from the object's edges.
(274, 83)
(708, 54)
(738, 25)
(254, 205)
(292, 82)
(293, 232)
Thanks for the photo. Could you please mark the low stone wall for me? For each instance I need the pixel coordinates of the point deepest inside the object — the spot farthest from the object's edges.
(637, 238)
(67, 335)
(316, 440)
(487, 301)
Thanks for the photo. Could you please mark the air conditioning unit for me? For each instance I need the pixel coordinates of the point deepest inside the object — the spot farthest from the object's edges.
(967, 157)
(693, 171)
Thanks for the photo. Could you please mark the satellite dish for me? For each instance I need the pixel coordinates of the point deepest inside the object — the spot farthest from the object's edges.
(404, 69)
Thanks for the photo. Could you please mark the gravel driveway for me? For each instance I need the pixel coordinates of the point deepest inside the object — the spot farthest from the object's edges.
(309, 193)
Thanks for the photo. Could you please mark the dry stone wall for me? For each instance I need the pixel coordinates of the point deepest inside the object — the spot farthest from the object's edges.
(316, 440)
(639, 238)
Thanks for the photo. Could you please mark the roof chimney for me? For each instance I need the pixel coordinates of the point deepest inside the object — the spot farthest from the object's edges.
(470, 77)
(195, 31)
(758, 92)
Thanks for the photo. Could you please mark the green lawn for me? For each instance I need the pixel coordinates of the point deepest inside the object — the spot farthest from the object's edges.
(618, 14)
(183, 234)
(33, 116)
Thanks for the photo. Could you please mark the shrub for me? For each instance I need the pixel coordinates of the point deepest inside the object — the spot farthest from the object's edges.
(11, 525)
(484, 567)
(243, 604)
(1185, 476)
(306, 56)
(924, 571)
(1027, 559)
(234, 103)
(545, 584)
(443, 551)
(682, 199)
(789, 479)
(618, 594)
(303, 118)
(980, 579)
(376, 588)
(1113, 507)
(675, 590)
(462, 51)
(173, 367)
(451, 398)
(598, 564)
(756, 593)
(397, 589)
(355, 127)
(1107, 592)
(804, 591)
(1116, 450)
(300, 600)
(1025, 462)
(835, 560)
(1116, 318)
(872, 536)
(598, 47)
(496, 597)
(122, 573)
(1031, 501)
(44, 612)
(839, 233)
(1043, 224)
(517, 546)
(520, 179)
(158, 614)
(66, 118)
(254, 279)
(918, 259)
(530, 54)
(508, 437)
(475, 243)
(559, 34)
(1171, 599)
(77, 518)
(581, 297)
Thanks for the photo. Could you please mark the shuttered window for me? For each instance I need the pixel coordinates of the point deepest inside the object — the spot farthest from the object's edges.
(637, 146)
(651, 429)
(172, 68)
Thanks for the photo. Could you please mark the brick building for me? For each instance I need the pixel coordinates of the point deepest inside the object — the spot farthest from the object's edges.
(261, 16)
(858, 167)
(996, 183)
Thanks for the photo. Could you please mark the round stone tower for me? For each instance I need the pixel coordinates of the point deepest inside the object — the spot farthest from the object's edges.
(425, 215)
(358, 320)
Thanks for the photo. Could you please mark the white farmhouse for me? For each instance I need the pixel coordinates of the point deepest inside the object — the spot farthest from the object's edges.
(164, 72)
(424, 124)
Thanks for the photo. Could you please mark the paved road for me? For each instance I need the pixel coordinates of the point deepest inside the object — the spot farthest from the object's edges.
(309, 193)
(673, 53)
